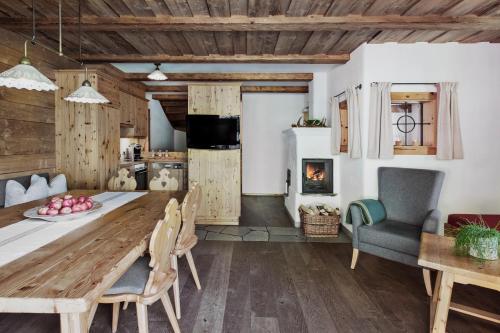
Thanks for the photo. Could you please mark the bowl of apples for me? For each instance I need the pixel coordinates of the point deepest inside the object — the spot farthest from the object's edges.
(64, 208)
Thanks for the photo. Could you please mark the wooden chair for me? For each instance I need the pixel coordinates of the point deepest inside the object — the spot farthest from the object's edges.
(164, 182)
(187, 240)
(149, 279)
(122, 181)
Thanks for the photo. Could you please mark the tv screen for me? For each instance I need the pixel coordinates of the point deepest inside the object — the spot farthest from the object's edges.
(212, 132)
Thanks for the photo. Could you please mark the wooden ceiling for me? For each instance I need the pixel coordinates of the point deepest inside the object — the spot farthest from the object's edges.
(300, 31)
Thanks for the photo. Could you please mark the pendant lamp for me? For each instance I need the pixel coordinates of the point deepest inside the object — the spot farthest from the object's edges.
(157, 75)
(86, 93)
(24, 75)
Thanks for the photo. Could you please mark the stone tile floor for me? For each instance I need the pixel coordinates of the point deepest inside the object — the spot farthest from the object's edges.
(262, 234)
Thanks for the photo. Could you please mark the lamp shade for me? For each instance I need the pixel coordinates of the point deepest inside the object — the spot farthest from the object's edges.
(86, 94)
(25, 76)
(157, 75)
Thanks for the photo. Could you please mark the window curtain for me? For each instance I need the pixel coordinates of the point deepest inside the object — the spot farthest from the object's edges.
(380, 134)
(353, 122)
(336, 129)
(449, 135)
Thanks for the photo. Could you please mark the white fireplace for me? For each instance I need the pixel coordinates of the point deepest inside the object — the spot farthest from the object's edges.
(303, 145)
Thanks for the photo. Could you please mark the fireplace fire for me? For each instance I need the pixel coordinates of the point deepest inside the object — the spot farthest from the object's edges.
(317, 176)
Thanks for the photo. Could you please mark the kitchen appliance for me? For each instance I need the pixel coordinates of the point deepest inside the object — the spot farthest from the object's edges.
(136, 149)
(178, 170)
(213, 132)
(141, 176)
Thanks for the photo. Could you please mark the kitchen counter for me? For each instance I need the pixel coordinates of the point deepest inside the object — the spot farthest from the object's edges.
(126, 164)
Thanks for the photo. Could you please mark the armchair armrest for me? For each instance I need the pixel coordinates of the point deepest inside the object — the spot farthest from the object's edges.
(357, 221)
(432, 223)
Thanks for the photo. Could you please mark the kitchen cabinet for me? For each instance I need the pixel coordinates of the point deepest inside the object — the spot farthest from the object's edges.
(141, 118)
(134, 117)
(127, 110)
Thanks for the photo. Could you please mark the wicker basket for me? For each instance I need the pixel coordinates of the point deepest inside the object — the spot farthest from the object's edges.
(320, 225)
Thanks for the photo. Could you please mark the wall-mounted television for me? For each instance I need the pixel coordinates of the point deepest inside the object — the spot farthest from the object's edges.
(213, 132)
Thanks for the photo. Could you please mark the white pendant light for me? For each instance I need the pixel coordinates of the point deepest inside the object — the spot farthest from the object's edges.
(86, 94)
(157, 75)
(24, 75)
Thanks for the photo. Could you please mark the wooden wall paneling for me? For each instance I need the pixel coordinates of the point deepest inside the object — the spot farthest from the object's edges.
(87, 136)
(27, 129)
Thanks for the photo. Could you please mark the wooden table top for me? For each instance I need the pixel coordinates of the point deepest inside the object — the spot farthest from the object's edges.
(438, 252)
(70, 273)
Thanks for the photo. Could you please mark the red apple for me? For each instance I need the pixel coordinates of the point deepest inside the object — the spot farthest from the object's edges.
(83, 206)
(89, 204)
(82, 199)
(55, 205)
(68, 196)
(65, 210)
(52, 212)
(43, 211)
(75, 201)
(76, 208)
(55, 199)
(67, 202)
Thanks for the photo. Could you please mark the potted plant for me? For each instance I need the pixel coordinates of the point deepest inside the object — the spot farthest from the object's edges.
(478, 240)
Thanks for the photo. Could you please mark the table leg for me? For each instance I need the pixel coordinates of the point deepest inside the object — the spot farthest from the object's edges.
(443, 303)
(434, 299)
(74, 322)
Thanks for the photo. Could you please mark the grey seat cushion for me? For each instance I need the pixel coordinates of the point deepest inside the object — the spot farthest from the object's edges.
(134, 280)
(24, 180)
(393, 235)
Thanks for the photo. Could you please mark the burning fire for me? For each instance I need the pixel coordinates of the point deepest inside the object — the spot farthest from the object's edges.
(315, 173)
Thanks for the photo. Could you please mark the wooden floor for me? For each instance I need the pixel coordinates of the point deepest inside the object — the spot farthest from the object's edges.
(289, 287)
(264, 211)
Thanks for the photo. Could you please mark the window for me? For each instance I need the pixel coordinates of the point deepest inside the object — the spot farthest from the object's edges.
(414, 123)
(343, 127)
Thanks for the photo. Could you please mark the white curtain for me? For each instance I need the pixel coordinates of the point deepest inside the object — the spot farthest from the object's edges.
(336, 129)
(353, 123)
(449, 135)
(380, 134)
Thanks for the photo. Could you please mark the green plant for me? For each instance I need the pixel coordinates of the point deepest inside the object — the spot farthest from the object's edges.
(472, 235)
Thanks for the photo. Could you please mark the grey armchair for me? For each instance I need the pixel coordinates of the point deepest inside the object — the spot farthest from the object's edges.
(410, 197)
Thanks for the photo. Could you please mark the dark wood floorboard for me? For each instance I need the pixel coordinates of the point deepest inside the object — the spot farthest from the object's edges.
(289, 287)
(264, 211)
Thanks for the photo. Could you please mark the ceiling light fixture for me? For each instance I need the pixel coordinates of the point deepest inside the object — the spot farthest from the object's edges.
(24, 75)
(86, 93)
(157, 75)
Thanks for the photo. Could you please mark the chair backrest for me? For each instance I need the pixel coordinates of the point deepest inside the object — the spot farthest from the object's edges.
(409, 194)
(189, 210)
(164, 182)
(122, 181)
(160, 247)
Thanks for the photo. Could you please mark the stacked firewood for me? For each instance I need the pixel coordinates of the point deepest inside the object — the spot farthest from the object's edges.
(319, 209)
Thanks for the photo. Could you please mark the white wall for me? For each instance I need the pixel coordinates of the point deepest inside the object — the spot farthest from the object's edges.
(471, 185)
(264, 118)
(161, 132)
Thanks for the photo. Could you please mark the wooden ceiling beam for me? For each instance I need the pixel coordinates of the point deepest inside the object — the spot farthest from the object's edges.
(244, 89)
(275, 89)
(170, 97)
(225, 76)
(218, 58)
(267, 23)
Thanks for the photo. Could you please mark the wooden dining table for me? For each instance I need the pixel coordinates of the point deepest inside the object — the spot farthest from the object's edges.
(68, 275)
